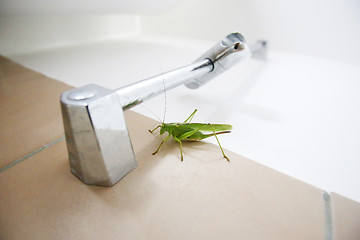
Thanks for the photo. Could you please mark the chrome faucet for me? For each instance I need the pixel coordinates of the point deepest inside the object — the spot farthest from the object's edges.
(99, 147)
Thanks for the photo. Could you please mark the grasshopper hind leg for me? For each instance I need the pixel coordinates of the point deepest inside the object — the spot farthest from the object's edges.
(179, 141)
(222, 150)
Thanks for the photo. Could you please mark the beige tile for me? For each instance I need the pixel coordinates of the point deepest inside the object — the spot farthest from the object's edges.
(3, 59)
(346, 218)
(30, 115)
(203, 197)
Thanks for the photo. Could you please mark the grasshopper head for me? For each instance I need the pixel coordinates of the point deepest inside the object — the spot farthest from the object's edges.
(163, 128)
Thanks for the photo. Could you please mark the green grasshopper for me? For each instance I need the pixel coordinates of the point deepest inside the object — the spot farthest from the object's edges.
(188, 131)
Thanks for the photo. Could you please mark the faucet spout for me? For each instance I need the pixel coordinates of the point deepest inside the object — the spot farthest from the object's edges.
(99, 146)
(222, 56)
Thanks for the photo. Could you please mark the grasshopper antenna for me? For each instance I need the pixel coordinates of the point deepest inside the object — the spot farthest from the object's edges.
(147, 109)
(163, 80)
(165, 101)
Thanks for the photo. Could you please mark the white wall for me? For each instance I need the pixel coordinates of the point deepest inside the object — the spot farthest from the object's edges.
(55, 7)
(21, 34)
(32, 25)
(328, 29)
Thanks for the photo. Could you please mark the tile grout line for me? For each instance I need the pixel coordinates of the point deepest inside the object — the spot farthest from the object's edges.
(19, 160)
(329, 234)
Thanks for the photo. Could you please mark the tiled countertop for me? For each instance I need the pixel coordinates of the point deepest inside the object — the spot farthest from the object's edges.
(30, 113)
(203, 197)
